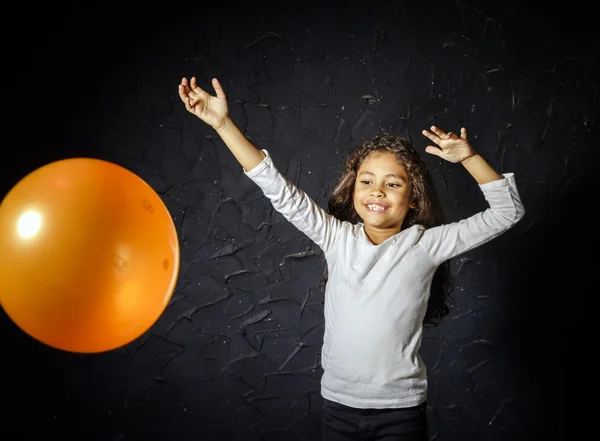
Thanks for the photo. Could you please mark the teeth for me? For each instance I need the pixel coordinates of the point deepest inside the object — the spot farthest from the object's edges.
(376, 207)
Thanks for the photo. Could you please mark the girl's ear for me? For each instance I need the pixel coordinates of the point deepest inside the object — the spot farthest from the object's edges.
(413, 205)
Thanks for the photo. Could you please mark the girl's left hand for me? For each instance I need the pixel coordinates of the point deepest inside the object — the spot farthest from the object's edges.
(451, 147)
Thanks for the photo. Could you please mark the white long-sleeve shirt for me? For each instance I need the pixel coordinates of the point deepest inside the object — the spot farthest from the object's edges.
(376, 295)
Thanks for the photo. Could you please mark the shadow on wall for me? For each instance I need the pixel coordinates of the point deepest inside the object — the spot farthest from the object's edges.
(547, 321)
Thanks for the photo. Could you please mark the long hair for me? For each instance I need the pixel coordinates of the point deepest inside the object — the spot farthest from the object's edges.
(427, 211)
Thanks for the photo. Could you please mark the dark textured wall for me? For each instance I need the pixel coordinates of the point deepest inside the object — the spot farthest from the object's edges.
(236, 354)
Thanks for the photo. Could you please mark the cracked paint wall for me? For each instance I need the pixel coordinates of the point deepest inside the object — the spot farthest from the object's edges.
(235, 356)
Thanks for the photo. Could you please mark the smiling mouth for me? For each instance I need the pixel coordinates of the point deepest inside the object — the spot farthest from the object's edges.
(376, 208)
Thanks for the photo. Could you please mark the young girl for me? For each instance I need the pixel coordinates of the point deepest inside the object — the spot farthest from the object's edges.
(383, 241)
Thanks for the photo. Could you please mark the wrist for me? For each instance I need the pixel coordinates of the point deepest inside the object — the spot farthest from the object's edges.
(224, 125)
(473, 156)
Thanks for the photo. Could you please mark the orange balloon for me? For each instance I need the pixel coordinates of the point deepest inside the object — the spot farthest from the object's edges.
(89, 255)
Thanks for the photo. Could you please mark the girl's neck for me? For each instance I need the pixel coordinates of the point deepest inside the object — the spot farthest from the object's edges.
(378, 236)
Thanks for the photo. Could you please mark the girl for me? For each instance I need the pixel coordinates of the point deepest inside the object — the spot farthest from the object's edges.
(383, 241)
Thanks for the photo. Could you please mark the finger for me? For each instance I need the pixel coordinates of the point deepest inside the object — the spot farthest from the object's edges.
(218, 89)
(431, 136)
(183, 86)
(186, 95)
(434, 150)
(439, 132)
(182, 93)
(196, 92)
(451, 135)
(188, 102)
(195, 88)
(463, 133)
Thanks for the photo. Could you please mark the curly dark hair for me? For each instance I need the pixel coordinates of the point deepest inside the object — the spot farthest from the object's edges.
(427, 211)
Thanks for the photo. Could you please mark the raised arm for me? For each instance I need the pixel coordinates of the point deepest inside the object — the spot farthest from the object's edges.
(214, 111)
(455, 149)
(500, 191)
(286, 198)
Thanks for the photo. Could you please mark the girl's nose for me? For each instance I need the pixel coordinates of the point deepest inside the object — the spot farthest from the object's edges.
(376, 191)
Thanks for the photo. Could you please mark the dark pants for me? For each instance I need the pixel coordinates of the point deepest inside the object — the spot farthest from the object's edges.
(343, 423)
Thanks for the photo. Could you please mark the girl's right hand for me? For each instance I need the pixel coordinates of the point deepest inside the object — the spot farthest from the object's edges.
(212, 110)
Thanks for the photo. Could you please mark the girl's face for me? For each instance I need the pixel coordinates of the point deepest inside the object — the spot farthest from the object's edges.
(382, 192)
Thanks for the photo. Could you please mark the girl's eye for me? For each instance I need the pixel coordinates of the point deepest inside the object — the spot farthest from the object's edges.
(391, 184)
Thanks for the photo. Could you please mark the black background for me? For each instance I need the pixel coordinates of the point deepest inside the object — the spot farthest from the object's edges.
(307, 81)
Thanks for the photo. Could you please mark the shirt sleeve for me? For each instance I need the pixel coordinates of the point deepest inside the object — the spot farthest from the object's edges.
(505, 210)
(295, 205)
